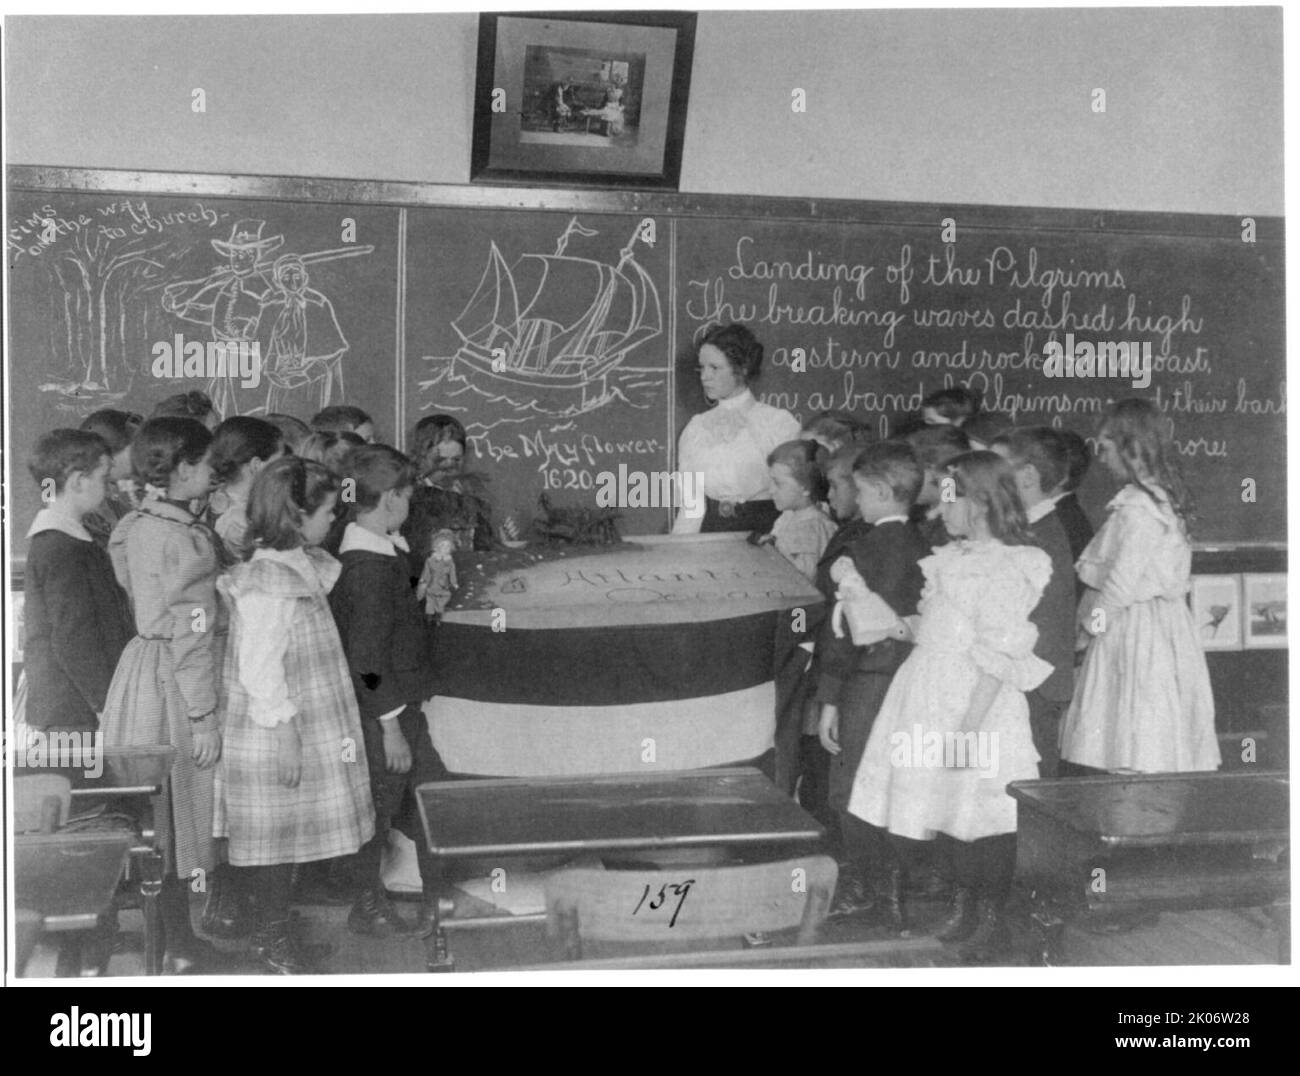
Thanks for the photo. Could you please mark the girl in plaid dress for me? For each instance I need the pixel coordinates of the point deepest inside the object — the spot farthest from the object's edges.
(165, 687)
(292, 784)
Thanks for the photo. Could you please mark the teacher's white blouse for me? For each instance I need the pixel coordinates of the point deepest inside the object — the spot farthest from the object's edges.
(729, 444)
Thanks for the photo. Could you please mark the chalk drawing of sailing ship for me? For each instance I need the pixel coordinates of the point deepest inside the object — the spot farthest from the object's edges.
(547, 333)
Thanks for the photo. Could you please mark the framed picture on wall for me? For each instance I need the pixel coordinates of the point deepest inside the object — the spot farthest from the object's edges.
(1216, 611)
(1264, 603)
(582, 98)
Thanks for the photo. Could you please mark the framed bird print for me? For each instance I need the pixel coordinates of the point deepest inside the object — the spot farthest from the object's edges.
(1216, 611)
(1264, 604)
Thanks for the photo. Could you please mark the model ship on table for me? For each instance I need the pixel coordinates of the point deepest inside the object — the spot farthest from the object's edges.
(547, 331)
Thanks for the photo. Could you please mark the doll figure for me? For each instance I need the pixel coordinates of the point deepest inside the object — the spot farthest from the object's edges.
(438, 580)
(870, 618)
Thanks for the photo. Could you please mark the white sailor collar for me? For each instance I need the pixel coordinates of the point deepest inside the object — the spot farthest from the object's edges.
(48, 519)
(356, 537)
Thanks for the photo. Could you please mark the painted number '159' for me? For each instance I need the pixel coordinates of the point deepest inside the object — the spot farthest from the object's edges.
(679, 890)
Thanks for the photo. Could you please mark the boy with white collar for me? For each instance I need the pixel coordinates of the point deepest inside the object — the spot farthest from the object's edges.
(78, 618)
(388, 646)
(854, 680)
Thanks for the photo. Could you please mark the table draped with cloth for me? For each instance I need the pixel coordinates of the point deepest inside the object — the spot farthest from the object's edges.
(656, 654)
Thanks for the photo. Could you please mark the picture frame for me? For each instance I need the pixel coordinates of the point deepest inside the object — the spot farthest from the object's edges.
(591, 99)
(1264, 610)
(1216, 611)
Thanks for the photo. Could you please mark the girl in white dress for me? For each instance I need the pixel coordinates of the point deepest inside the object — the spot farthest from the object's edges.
(1142, 700)
(954, 727)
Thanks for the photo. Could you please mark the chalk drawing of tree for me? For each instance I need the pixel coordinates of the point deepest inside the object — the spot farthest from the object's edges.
(100, 285)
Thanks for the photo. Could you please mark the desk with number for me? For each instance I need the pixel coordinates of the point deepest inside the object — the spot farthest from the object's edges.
(702, 808)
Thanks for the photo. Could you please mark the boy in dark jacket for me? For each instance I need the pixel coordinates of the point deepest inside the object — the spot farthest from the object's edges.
(388, 645)
(1041, 460)
(814, 762)
(854, 680)
(1078, 528)
(78, 618)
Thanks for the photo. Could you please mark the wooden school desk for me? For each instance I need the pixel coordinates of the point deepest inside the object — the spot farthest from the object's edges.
(535, 816)
(138, 779)
(69, 880)
(1116, 845)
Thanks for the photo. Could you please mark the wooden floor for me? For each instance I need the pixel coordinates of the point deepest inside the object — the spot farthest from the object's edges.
(1228, 936)
(1223, 937)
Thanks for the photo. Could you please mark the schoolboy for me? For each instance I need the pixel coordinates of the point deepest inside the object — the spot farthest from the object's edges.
(813, 761)
(853, 680)
(1077, 526)
(388, 647)
(78, 618)
(1040, 459)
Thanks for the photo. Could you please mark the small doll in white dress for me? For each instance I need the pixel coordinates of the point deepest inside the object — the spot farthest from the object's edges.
(868, 616)
(799, 487)
(438, 580)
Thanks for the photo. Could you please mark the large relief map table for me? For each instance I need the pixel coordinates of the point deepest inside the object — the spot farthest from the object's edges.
(656, 654)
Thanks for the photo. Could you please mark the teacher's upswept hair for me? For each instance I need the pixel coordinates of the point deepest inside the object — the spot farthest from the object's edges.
(740, 346)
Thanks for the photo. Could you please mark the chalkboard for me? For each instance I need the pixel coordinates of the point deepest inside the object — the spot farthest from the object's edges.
(549, 336)
(97, 281)
(560, 326)
(879, 314)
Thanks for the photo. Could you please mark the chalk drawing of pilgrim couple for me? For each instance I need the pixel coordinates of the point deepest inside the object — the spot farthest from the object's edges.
(251, 299)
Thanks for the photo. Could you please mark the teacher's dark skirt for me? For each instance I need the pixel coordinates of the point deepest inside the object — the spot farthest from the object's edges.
(729, 516)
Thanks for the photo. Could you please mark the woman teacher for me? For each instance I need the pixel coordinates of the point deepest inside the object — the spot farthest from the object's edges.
(729, 444)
